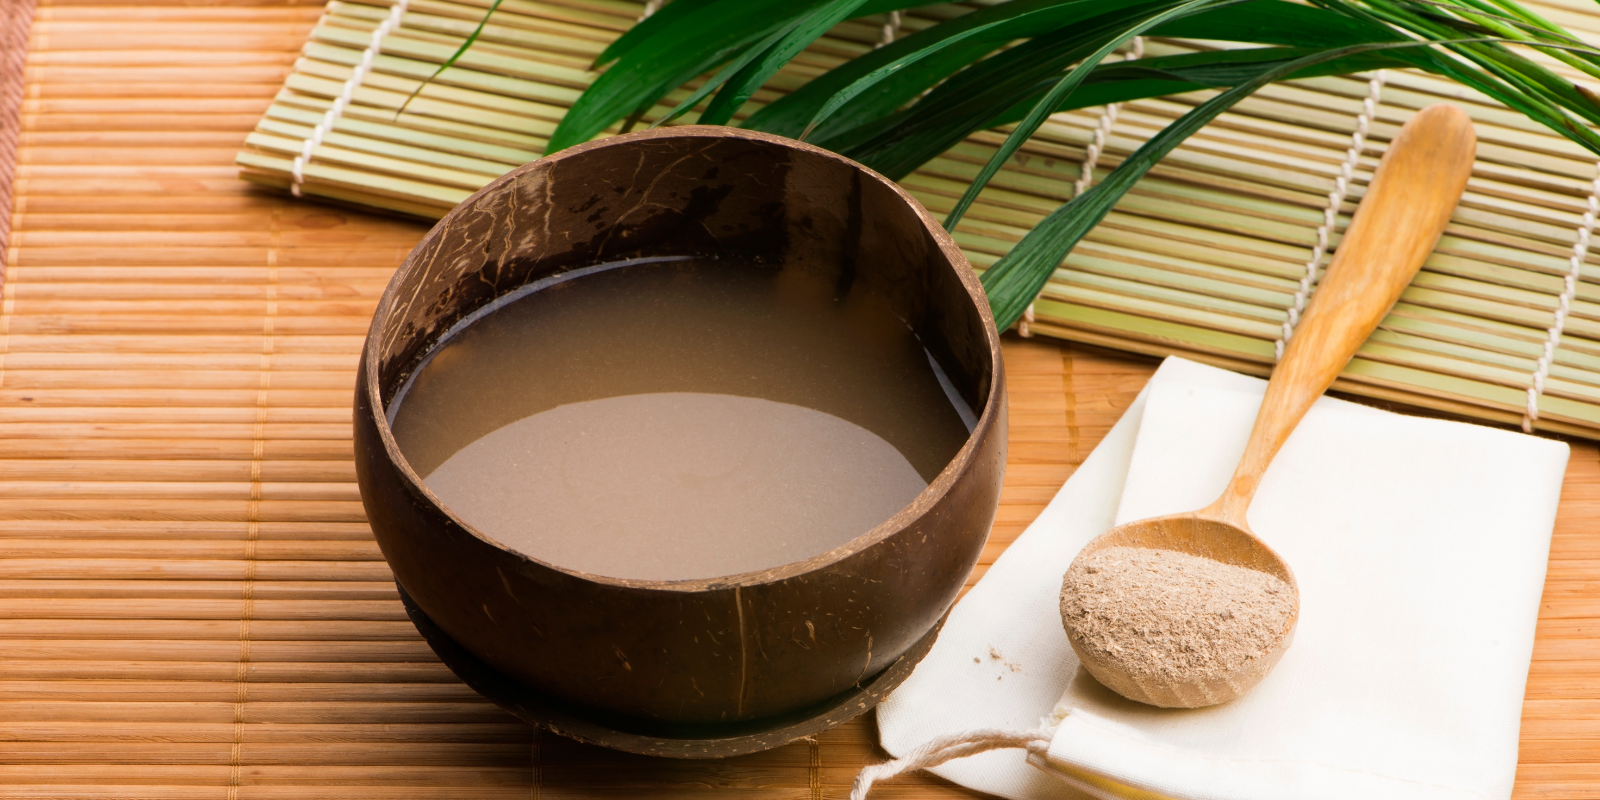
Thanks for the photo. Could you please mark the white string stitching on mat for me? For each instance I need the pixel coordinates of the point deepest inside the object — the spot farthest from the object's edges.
(890, 30)
(1580, 253)
(949, 748)
(389, 23)
(1091, 157)
(651, 7)
(1336, 198)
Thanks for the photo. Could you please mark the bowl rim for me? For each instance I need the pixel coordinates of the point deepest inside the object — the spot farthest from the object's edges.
(925, 500)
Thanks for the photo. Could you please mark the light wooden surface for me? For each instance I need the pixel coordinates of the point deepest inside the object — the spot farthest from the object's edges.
(190, 603)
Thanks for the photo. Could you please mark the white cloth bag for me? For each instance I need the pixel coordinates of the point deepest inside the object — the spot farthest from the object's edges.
(1419, 546)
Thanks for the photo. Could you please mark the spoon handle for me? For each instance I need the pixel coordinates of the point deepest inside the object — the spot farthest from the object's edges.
(1411, 197)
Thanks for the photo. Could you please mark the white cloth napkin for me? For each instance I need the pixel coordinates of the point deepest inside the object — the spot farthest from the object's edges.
(1420, 548)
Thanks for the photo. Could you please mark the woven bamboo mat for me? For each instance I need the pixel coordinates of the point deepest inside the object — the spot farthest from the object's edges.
(1212, 255)
(190, 603)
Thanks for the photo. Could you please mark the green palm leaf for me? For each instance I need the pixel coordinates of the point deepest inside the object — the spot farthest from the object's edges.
(982, 34)
(1158, 77)
(1109, 83)
(733, 69)
(454, 57)
(1063, 89)
(1018, 61)
(687, 38)
(1017, 19)
(882, 88)
(682, 48)
(743, 84)
(966, 101)
(649, 28)
(1017, 278)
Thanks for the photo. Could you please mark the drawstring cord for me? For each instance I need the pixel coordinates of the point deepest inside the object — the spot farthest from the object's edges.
(949, 748)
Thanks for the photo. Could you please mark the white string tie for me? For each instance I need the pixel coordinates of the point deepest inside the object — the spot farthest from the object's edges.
(1330, 214)
(1108, 117)
(1569, 288)
(1091, 157)
(346, 94)
(949, 748)
(651, 7)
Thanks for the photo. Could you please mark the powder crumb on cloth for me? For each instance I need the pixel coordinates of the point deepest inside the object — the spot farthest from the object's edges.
(1173, 616)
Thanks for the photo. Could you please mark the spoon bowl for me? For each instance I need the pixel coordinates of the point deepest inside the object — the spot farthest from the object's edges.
(1407, 205)
(1194, 534)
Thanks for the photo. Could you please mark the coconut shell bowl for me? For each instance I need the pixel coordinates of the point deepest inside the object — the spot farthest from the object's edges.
(688, 668)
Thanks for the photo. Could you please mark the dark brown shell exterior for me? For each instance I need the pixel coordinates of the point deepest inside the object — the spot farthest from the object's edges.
(743, 647)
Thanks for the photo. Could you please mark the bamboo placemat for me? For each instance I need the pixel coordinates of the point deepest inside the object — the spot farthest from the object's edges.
(1212, 256)
(190, 603)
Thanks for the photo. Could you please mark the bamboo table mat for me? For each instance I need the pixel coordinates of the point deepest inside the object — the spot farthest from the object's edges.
(1212, 255)
(191, 605)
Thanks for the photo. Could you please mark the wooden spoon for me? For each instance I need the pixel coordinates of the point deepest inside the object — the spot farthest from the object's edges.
(1412, 195)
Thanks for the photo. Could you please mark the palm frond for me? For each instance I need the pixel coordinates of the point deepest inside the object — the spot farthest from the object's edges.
(1016, 62)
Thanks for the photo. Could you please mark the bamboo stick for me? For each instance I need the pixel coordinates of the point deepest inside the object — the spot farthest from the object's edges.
(235, 449)
(194, 530)
(269, 712)
(220, 609)
(134, 569)
(328, 732)
(63, 343)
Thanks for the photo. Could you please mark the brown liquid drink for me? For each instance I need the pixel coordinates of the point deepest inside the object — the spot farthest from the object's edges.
(679, 418)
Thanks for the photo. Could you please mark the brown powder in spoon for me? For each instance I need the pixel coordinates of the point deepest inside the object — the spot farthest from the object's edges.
(1171, 616)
